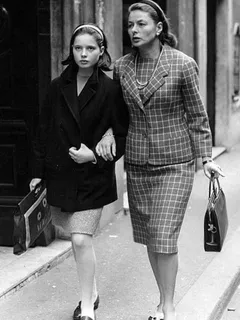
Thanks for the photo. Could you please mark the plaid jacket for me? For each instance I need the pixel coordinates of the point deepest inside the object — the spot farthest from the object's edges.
(170, 124)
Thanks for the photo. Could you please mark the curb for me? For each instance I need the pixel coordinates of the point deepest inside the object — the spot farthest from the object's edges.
(210, 294)
(32, 264)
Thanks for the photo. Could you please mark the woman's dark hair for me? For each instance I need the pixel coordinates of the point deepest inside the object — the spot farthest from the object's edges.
(158, 16)
(105, 60)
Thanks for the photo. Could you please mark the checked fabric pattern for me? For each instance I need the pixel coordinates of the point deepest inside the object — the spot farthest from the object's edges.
(158, 197)
(169, 124)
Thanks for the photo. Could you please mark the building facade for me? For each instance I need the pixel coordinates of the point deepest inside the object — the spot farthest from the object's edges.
(209, 32)
(34, 38)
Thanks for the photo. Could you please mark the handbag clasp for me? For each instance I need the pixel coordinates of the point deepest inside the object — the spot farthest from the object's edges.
(212, 228)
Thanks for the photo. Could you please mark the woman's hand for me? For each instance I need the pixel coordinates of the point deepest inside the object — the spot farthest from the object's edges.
(106, 147)
(82, 155)
(210, 168)
(34, 183)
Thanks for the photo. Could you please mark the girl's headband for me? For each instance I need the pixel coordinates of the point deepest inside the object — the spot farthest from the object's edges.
(154, 5)
(90, 26)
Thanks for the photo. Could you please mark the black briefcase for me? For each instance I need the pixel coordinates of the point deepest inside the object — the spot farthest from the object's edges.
(32, 221)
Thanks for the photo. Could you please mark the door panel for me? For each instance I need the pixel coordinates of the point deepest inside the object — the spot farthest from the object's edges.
(20, 84)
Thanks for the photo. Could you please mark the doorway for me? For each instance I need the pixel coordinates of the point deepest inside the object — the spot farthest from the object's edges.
(24, 69)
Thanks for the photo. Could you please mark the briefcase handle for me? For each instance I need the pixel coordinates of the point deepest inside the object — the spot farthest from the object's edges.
(38, 189)
(213, 187)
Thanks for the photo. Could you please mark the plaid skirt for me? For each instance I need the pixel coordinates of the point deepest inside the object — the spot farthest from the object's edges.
(158, 198)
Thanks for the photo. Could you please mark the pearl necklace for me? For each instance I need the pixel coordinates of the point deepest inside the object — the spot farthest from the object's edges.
(142, 85)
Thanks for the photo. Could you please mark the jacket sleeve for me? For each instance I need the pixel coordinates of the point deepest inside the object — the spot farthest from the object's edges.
(197, 117)
(41, 137)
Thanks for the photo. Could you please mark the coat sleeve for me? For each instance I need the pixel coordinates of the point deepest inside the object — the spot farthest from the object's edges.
(40, 140)
(120, 116)
(197, 117)
(119, 121)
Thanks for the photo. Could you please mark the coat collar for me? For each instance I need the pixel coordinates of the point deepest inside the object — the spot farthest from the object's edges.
(69, 90)
(157, 80)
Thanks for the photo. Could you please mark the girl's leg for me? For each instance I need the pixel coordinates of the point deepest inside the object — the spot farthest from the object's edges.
(95, 291)
(86, 263)
(165, 273)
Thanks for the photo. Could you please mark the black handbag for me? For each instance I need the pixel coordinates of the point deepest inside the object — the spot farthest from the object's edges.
(216, 218)
(31, 219)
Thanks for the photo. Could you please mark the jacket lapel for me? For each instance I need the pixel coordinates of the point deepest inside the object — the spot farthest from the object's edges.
(129, 83)
(162, 71)
(88, 91)
(69, 90)
(70, 95)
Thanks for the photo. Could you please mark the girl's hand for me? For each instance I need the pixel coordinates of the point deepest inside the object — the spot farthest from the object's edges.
(34, 183)
(106, 147)
(210, 168)
(82, 155)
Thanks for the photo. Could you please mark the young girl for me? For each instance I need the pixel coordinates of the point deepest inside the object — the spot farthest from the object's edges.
(80, 105)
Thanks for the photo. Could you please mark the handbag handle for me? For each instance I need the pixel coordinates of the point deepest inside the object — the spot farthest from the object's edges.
(212, 186)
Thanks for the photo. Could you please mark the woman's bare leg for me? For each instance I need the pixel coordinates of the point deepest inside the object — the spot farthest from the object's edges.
(154, 264)
(165, 272)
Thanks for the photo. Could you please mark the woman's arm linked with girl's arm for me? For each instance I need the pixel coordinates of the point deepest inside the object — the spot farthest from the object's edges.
(107, 146)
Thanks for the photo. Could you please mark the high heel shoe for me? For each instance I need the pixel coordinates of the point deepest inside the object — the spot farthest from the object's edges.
(77, 312)
(160, 317)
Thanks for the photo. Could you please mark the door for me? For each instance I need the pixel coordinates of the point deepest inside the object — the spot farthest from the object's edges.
(24, 69)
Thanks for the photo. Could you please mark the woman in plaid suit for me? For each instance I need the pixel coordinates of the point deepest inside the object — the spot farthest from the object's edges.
(168, 129)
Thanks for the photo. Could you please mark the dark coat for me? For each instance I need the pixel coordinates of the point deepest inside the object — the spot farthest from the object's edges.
(66, 121)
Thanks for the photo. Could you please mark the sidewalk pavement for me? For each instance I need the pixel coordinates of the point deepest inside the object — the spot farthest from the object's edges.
(206, 281)
(232, 311)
